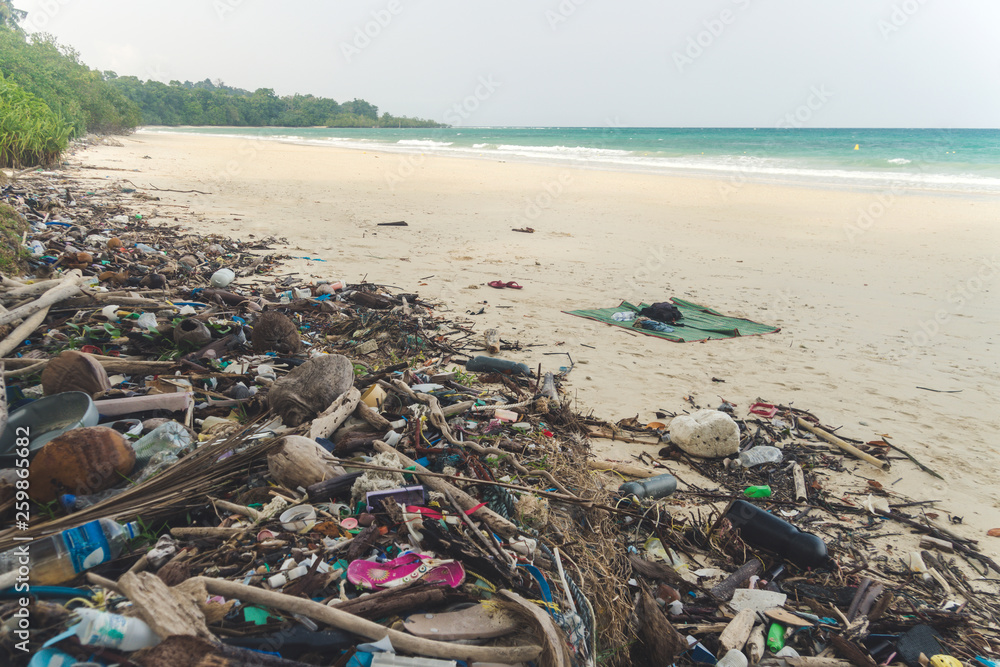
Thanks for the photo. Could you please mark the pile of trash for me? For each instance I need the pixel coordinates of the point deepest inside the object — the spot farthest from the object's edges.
(207, 461)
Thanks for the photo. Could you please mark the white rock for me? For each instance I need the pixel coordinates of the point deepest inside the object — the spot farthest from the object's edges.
(709, 434)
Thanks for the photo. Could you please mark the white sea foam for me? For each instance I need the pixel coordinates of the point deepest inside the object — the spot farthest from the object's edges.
(430, 143)
(727, 167)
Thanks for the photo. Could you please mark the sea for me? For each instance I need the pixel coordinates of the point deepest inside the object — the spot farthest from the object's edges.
(960, 161)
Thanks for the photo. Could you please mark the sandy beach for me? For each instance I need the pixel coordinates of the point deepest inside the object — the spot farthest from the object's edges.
(886, 300)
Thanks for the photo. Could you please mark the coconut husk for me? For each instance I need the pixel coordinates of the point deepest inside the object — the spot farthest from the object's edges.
(82, 461)
(74, 371)
(273, 331)
(311, 388)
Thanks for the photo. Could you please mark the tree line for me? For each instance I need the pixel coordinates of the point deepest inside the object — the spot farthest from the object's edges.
(49, 97)
(214, 103)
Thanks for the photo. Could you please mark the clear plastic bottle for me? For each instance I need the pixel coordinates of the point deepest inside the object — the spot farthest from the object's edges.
(733, 658)
(58, 558)
(756, 456)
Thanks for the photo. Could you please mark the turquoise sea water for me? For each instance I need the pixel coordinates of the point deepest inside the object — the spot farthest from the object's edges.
(960, 161)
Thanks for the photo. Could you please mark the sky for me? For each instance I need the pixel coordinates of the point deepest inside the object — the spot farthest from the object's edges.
(661, 63)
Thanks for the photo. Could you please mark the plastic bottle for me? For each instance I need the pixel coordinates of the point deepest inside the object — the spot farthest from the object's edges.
(167, 437)
(733, 658)
(147, 249)
(222, 278)
(776, 637)
(624, 316)
(653, 487)
(99, 628)
(757, 491)
(60, 557)
(483, 364)
(756, 456)
(765, 531)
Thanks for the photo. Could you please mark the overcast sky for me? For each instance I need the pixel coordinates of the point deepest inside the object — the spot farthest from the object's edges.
(700, 63)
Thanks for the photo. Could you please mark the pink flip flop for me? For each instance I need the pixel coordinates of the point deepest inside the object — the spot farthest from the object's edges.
(499, 284)
(375, 576)
(512, 285)
(403, 570)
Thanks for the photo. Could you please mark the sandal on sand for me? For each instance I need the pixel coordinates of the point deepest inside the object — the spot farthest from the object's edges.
(499, 284)
(512, 285)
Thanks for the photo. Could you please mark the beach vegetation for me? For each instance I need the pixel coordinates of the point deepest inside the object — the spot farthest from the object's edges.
(213, 103)
(30, 132)
(53, 73)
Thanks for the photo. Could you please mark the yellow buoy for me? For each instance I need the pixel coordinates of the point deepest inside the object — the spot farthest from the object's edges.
(857, 147)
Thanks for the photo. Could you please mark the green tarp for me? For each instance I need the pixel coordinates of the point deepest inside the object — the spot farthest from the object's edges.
(699, 322)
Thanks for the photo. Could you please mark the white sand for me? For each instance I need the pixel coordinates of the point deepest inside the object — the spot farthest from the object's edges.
(857, 306)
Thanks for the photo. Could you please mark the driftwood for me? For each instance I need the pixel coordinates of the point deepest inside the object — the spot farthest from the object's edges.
(22, 331)
(846, 446)
(554, 653)
(661, 640)
(356, 440)
(394, 600)
(723, 591)
(67, 287)
(737, 632)
(623, 468)
(368, 629)
(187, 651)
(299, 461)
(325, 490)
(198, 533)
(335, 415)
(499, 524)
(167, 611)
(755, 645)
(373, 418)
(800, 483)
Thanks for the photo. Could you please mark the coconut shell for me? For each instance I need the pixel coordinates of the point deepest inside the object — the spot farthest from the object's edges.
(115, 243)
(74, 371)
(82, 461)
(308, 390)
(273, 331)
(193, 332)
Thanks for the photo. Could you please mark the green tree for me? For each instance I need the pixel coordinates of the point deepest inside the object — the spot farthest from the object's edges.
(11, 17)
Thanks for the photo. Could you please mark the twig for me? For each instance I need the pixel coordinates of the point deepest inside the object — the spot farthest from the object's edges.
(909, 456)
